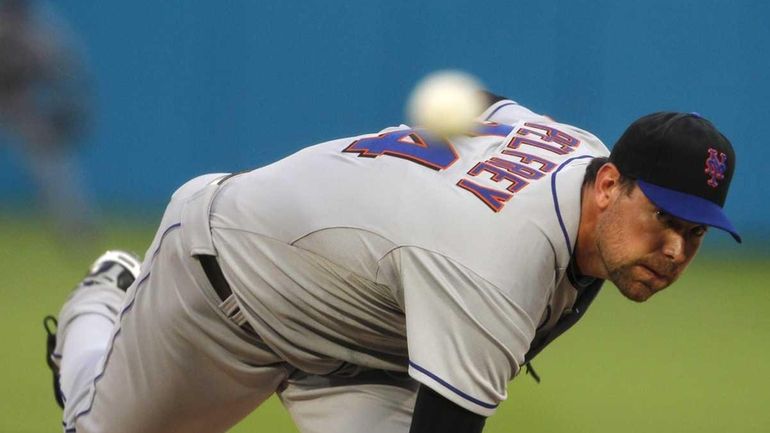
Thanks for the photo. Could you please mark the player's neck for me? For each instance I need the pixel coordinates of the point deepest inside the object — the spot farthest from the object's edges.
(586, 254)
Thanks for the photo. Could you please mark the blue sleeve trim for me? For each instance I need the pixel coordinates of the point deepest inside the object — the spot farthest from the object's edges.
(452, 388)
(498, 108)
(556, 199)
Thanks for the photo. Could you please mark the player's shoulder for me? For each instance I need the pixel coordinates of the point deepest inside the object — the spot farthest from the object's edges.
(593, 143)
(509, 112)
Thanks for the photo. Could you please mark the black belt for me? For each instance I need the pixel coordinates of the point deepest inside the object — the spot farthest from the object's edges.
(219, 283)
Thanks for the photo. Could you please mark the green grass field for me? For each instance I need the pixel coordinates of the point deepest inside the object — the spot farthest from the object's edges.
(696, 358)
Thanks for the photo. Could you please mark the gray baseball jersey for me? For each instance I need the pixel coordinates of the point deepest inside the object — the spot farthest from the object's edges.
(401, 250)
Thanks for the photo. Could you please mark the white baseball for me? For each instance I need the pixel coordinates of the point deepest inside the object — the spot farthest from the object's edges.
(446, 103)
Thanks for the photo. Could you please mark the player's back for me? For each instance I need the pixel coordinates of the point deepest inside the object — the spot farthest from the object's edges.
(349, 184)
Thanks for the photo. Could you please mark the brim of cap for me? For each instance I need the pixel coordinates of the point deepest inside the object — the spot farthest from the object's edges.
(689, 207)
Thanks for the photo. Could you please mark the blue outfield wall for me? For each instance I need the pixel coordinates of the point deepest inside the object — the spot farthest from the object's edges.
(184, 88)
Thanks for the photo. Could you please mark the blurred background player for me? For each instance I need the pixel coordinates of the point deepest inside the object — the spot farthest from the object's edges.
(44, 109)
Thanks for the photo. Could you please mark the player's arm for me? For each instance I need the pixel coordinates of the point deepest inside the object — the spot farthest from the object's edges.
(466, 337)
(434, 413)
(492, 98)
(501, 109)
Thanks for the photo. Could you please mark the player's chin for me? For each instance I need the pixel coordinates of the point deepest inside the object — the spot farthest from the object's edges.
(635, 294)
(638, 291)
(640, 283)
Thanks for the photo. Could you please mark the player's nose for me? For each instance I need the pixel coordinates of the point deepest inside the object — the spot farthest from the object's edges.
(675, 248)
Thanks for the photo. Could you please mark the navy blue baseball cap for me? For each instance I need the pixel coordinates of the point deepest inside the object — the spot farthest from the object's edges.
(682, 163)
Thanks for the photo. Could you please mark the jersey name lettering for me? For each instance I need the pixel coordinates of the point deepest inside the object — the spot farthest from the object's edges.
(514, 175)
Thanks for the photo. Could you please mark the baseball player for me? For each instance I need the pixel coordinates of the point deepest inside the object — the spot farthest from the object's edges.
(386, 282)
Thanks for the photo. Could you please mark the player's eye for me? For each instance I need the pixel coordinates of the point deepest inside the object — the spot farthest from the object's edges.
(663, 216)
(669, 220)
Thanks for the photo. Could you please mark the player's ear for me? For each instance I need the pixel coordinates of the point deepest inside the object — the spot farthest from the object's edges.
(607, 185)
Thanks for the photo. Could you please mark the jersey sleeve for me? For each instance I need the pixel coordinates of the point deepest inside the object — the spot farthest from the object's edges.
(508, 112)
(467, 338)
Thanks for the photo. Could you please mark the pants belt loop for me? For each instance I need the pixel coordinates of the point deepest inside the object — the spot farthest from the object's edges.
(229, 304)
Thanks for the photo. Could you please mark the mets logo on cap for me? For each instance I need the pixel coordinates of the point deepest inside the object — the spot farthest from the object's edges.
(716, 165)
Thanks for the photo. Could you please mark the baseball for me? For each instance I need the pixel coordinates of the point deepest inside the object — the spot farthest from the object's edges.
(446, 103)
